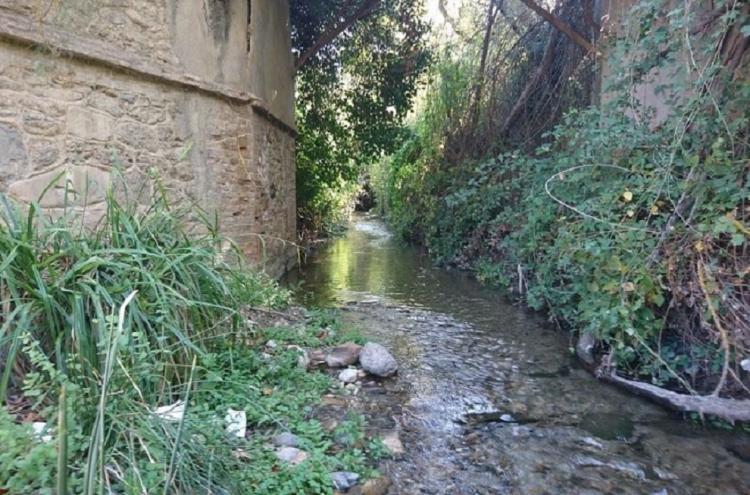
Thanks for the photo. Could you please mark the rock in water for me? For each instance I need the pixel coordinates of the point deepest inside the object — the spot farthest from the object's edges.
(343, 355)
(349, 375)
(376, 360)
(343, 480)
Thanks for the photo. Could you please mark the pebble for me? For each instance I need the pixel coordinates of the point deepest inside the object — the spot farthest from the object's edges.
(291, 455)
(349, 375)
(393, 443)
(286, 439)
(343, 480)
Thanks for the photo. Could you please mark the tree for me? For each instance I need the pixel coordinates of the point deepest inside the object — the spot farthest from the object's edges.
(358, 64)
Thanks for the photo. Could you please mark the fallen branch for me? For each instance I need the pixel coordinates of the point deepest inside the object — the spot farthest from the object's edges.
(728, 409)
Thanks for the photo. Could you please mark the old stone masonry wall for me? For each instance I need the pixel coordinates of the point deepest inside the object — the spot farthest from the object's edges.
(197, 92)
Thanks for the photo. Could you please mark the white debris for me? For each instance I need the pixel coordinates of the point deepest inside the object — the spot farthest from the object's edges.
(236, 423)
(745, 364)
(40, 431)
(172, 412)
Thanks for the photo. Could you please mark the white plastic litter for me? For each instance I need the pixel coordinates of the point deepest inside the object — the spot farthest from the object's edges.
(40, 428)
(236, 423)
(172, 412)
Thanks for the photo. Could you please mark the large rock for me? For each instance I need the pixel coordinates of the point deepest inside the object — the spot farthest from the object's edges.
(343, 355)
(376, 360)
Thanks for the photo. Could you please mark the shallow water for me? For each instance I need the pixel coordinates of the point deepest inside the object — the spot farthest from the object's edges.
(488, 398)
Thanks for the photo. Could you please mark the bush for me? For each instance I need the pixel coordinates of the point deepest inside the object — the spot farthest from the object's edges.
(633, 232)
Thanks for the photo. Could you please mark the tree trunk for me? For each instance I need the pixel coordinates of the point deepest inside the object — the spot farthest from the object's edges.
(728, 409)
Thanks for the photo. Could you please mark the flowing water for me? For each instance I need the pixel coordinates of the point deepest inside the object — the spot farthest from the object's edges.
(488, 398)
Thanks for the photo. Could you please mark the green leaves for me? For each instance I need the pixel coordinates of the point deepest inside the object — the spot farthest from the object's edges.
(638, 201)
(352, 97)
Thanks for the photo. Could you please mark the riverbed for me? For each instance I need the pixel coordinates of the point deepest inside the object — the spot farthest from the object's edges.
(489, 398)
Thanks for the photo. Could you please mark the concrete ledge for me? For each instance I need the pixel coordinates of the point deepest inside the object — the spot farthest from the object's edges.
(22, 30)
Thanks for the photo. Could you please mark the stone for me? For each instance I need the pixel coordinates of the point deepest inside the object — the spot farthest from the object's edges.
(348, 375)
(41, 124)
(73, 186)
(343, 480)
(392, 442)
(343, 355)
(13, 154)
(89, 124)
(585, 348)
(376, 486)
(271, 344)
(43, 153)
(303, 360)
(317, 357)
(286, 439)
(376, 360)
(291, 455)
(105, 101)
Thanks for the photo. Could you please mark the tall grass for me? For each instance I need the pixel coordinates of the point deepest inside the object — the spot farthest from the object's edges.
(113, 318)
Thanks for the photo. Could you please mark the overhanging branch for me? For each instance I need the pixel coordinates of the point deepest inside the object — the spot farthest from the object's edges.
(341, 22)
(561, 26)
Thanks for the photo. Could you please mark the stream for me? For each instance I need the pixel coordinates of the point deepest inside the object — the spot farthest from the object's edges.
(489, 400)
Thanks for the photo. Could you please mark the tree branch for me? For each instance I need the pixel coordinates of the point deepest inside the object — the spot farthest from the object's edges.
(338, 26)
(533, 82)
(561, 26)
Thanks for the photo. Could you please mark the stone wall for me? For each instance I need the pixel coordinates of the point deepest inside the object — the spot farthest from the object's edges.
(184, 89)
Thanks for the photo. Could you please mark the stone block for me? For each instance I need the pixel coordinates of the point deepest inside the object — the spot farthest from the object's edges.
(89, 124)
(12, 154)
(41, 124)
(63, 187)
(137, 136)
(106, 102)
(43, 153)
